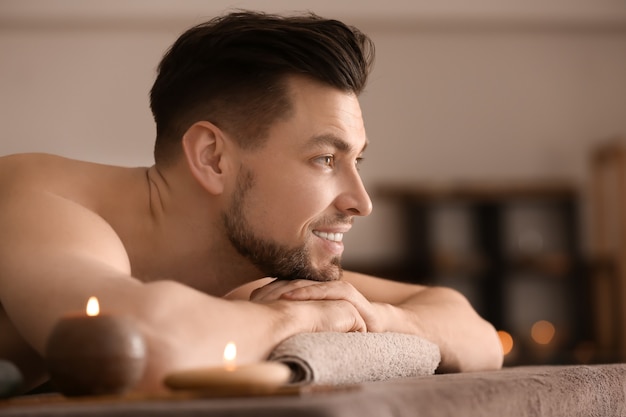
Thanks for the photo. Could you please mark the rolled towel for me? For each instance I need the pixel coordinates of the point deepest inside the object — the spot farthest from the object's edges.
(350, 358)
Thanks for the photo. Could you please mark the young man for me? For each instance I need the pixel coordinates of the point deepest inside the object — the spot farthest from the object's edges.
(259, 138)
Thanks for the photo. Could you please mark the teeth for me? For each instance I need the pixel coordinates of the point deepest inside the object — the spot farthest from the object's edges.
(335, 237)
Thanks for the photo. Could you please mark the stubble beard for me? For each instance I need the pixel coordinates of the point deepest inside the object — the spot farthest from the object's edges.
(273, 259)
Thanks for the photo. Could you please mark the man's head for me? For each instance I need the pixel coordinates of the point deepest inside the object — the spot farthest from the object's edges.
(266, 110)
(232, 71)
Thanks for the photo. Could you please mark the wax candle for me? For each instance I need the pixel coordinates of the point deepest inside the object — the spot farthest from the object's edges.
(232, 379)
(93, 353)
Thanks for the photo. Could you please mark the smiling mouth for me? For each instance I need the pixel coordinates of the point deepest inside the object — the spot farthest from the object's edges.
(333, 237)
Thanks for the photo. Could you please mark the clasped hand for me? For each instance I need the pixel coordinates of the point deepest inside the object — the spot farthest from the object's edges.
(306, 290)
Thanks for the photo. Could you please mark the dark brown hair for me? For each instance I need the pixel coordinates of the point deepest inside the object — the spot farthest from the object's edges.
(231, 71)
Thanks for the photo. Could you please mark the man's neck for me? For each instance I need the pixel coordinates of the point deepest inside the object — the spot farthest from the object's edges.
(185, 241)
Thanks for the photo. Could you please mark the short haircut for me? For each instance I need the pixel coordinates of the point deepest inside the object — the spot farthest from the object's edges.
(232, 71)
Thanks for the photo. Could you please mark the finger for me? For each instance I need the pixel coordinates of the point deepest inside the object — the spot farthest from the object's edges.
(337, 290)
(339, 316)
(274, 290)
(263, 292)
(334, 290)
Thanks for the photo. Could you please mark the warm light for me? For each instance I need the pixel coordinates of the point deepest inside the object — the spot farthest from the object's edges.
(230, 355)
(542, 332)
(506, 340)
(93, 308)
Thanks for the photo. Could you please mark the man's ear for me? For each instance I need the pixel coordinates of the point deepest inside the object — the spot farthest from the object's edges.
(203, 144)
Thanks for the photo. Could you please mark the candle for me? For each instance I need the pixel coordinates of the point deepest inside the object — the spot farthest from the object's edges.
(93, 353)
(232, 379)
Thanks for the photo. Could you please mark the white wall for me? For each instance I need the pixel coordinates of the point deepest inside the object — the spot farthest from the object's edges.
(492, 90)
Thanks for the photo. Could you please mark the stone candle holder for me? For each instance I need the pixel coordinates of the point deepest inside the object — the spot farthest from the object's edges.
(95, 355)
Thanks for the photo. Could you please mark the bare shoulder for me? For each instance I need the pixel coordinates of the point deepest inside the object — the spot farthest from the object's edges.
(13, 168)
(70, 178)
(36, 171)
(49, 202)
(18, 166)
(43, 212)
(49, 188)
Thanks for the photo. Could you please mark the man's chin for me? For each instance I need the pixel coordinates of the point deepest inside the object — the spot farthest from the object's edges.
(331, 272)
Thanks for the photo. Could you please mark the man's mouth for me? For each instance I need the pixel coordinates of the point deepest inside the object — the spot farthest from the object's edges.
(334, 237)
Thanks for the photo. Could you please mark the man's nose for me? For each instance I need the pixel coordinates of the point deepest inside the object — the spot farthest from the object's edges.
(354, 198)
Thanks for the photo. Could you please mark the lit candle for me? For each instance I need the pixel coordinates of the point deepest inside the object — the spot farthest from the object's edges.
(93, 353)
(232, 379)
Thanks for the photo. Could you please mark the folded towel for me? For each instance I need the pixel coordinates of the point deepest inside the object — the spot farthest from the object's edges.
(350, 358)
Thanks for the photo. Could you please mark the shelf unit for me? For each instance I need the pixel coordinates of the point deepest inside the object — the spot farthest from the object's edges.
(496, 258)
(608, 260)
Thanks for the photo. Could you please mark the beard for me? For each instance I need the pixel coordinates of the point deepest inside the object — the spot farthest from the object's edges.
(272, 258)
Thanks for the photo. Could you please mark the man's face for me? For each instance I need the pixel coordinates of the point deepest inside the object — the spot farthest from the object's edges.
(297, 195)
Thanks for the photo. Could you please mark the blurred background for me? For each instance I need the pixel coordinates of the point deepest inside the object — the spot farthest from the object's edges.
(495, 166)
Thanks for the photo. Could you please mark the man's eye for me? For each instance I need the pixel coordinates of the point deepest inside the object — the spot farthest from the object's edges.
(327, 160)
(358, 162)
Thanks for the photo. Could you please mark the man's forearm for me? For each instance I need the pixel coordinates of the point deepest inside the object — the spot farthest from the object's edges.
(443, 316)
(187, 329)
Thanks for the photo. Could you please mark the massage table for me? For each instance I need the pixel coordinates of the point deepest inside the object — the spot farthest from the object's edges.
(564, 390)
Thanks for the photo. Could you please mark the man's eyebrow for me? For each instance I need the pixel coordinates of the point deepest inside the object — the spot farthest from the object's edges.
(334, 141)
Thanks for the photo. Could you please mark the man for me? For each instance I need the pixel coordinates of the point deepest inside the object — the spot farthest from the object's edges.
(259, 138)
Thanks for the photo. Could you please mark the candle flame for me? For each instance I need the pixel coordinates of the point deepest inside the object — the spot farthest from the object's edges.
(93, 307)
(230, 355)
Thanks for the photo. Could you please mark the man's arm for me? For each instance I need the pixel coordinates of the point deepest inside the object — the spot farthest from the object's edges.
(55, 253)
(441, 315)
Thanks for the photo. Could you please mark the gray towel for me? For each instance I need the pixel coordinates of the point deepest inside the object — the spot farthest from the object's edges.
(351, 358)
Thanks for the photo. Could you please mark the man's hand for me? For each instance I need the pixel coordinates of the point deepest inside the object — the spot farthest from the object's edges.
(442, 315)
(307, 290)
